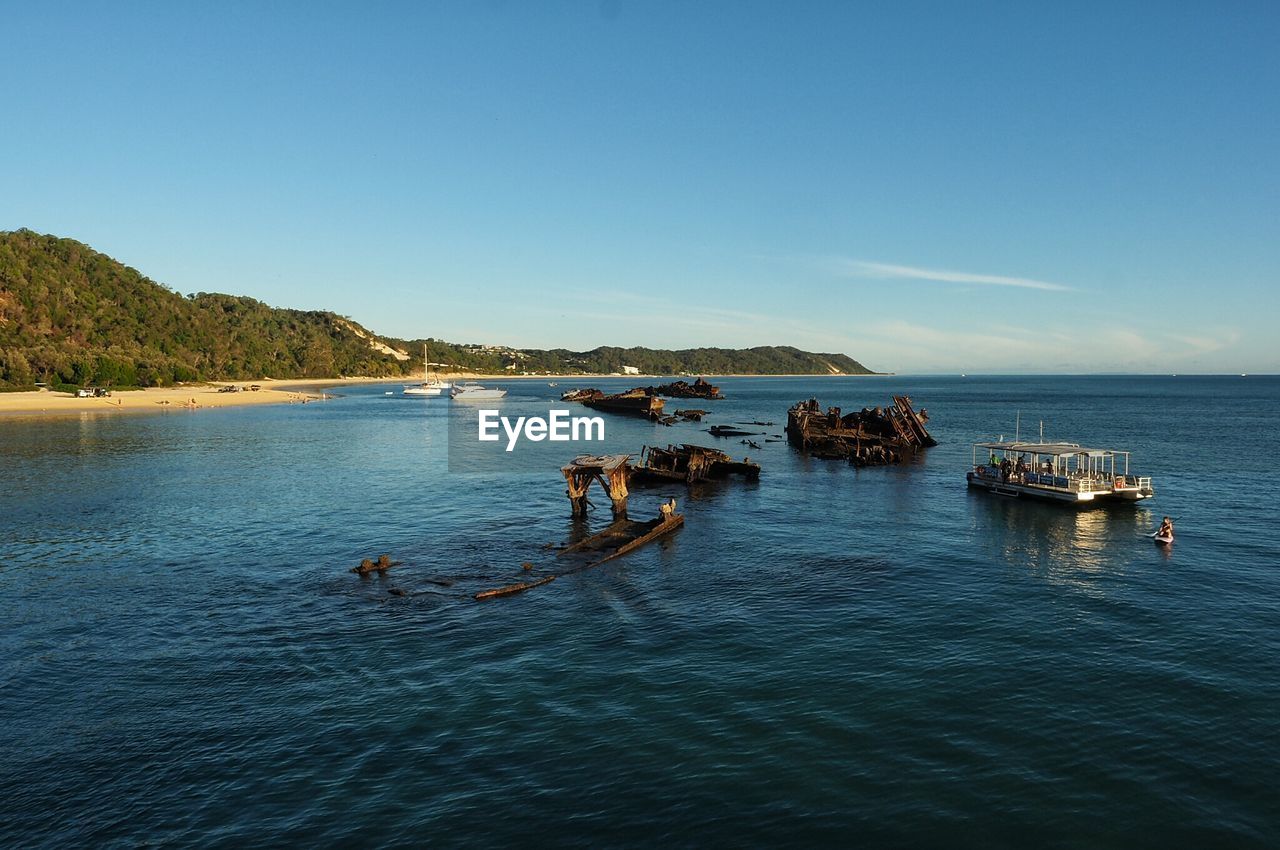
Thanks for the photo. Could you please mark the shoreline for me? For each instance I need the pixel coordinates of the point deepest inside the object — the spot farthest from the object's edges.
(191, 397)
(410, 380)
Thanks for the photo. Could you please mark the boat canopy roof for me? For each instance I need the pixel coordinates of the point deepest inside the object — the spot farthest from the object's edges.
(1055, 449)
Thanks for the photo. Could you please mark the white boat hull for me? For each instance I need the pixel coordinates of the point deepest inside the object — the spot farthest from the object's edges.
(1007, 488)
(429, 386)
(477, 395)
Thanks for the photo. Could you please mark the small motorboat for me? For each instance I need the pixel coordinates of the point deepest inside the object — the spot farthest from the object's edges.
(471, 391)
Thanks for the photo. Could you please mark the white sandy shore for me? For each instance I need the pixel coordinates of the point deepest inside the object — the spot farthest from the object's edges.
(51, 403)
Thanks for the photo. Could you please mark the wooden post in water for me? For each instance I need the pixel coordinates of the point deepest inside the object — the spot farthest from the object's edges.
(577, 492)
(616, 485)
(612, 471)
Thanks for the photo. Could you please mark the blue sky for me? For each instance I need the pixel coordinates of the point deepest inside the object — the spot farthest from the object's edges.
(932, 187)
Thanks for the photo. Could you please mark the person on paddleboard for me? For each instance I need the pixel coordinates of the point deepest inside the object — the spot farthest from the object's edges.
(1166, 528)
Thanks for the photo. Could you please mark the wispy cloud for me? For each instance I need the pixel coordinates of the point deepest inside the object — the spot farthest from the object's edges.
(1205, 344)
(1009, 348)
(890, 271)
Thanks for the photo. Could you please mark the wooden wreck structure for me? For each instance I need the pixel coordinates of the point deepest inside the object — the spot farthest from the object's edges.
(868, 437)
(689, 464)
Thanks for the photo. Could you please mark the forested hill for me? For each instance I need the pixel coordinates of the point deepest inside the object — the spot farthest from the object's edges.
(71, 315)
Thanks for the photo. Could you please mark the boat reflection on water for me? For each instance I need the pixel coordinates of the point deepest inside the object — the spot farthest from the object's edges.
(1075, 548)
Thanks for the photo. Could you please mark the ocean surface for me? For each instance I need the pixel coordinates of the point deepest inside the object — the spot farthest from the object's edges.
(830, 656)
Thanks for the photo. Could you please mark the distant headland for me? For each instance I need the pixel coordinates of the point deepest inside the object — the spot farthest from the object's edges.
(71, 316)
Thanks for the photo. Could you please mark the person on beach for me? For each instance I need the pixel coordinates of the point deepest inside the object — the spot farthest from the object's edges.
(1166, 528)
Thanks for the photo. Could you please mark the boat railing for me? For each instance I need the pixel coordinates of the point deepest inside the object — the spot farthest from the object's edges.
(1074, 483)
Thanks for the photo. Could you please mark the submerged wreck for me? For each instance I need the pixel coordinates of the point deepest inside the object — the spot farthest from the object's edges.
(635, 402)
(700, 388)
(689, 464)
(368, 565)
(621, 536)
(624, 535)
(646, 401)
(730, 431)
(868, 437)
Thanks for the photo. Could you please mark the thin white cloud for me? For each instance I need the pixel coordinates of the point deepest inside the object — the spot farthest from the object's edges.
(890, 271)
(1208, 344)
(906, 346)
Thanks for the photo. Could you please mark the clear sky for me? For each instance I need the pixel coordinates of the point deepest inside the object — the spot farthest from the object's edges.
(938, 187)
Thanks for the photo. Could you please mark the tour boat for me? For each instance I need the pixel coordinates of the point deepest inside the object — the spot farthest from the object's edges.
(471, 391)
(430, 386)
(1060, 472)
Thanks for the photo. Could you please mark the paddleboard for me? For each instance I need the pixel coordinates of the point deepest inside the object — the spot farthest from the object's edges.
(1162, 540)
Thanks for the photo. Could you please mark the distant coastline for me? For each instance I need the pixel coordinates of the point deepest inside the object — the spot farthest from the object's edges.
(44, 403)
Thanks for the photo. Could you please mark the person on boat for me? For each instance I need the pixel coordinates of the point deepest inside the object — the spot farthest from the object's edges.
(1166, 528)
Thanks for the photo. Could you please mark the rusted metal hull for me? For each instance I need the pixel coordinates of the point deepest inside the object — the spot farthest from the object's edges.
(612, 471)
(636, 402)
(683, 389)
(689, 464)
(869, 437)
(633, 403)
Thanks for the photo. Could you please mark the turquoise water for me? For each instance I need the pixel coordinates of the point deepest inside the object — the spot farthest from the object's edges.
(832, 655)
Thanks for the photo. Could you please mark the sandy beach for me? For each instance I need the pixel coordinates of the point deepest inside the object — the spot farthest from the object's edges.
(157, 399)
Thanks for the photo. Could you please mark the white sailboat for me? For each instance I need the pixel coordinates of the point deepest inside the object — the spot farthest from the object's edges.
(430, 386)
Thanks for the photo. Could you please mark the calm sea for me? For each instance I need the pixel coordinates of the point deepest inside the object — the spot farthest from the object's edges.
(830, 656)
